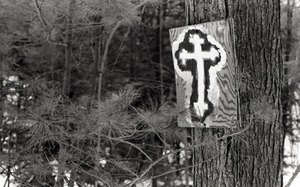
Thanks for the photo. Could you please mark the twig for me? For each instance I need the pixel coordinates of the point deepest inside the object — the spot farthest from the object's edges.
(39, 12)
(183, 168)
(293, 177)
(185, 148)
(46, 26)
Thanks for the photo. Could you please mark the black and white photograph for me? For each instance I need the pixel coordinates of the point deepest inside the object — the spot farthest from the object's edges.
(149, 93)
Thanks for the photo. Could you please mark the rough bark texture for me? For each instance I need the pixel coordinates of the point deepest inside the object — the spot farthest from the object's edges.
(253, 157)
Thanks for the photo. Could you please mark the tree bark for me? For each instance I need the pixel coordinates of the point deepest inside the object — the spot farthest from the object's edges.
(253, 157)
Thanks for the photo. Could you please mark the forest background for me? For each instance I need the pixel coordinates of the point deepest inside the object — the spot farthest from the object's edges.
(88, 92)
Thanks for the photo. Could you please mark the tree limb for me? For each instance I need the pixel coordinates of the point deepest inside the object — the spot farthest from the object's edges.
(293, 177)
(184, 149)
(39, 12)
(45, 25)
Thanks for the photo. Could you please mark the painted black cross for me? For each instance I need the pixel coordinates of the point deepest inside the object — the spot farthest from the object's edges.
(197, 55)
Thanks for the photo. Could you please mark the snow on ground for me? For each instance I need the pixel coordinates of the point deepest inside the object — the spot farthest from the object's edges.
(292, 149)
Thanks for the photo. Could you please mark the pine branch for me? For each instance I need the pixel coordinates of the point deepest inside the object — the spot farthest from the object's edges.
(205, 143)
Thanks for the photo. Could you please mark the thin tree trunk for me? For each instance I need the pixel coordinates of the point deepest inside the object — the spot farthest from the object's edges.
(157, 151)
(9, 161)
(68, 49)
(60, 169)
(186, 162)
(66, 84)
(72, 177)
(160, 44)
(97, 36)
(286, 105)
(133, 51)
(289, 40)
(254, 157)
(1, 110)
(104, 57)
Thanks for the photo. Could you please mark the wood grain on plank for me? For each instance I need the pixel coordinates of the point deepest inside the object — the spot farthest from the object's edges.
(222, 88)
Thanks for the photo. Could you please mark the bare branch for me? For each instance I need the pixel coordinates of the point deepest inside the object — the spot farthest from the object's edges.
(293, 177)
(184, 149)
(39, 12)
(46, 26)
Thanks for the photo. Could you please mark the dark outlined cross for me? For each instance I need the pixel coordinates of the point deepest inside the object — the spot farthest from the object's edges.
(203, 51)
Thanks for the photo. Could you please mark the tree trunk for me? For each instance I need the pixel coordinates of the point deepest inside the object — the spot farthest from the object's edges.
(134, 57)
(68, 49)
(289, 38)
(104, 57)
(97, 36)
(254, 156)
(72, 178)
(286, 102)
(66, 84)
(60, 169)
(160, 44)
(1, 109)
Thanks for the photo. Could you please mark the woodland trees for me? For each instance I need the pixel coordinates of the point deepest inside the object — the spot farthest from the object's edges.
(61, 63)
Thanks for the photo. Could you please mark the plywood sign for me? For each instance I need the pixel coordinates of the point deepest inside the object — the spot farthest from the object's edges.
(204, 61)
